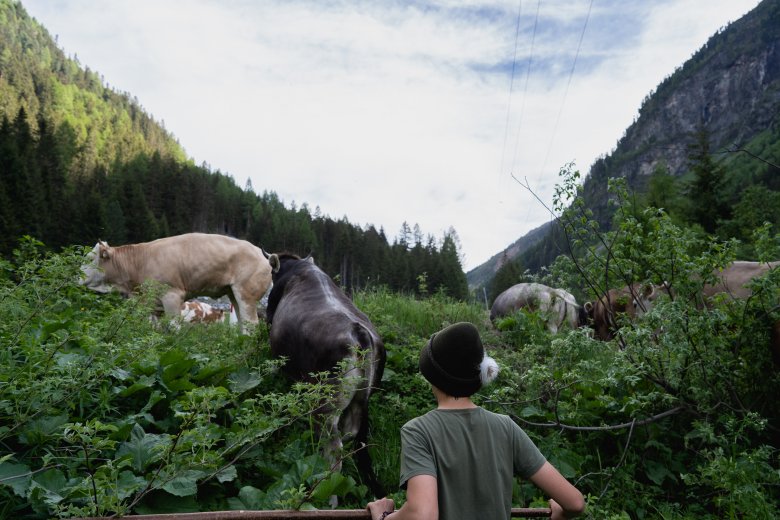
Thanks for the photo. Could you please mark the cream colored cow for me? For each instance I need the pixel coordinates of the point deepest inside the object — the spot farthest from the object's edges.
(193, 264)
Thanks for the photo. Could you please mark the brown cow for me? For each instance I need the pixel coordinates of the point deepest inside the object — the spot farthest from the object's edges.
(732, 280)
(632, 301)
(196, 311)
(194, 264)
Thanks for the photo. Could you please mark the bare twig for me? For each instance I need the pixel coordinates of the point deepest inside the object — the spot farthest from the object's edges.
(621, 426)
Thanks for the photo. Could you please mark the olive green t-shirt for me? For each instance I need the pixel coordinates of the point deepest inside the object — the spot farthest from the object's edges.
(474, 455)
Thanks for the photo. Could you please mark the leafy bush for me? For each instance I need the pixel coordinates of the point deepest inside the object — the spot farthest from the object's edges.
(104, 412)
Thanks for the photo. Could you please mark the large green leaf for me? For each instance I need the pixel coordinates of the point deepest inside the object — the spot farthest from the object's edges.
(184, 483)
(161, 502)
(253, 498)
(227, 474)
(213, 372)
(143, 448)
(243, 380)
(657, 472)
(16, 476)
(142, 383)
(46, 490)
(39, 431)
(336, 484)
(128, 483)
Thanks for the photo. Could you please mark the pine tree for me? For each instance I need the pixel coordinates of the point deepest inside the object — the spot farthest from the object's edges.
(509, 273)
(705, 198)
(8, 221)
(454, 279)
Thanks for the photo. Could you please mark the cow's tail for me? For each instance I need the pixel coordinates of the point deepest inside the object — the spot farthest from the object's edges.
(376, 359)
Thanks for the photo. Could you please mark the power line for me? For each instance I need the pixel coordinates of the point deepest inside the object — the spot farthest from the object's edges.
(511, 88)
(525, 87)
(565, 95)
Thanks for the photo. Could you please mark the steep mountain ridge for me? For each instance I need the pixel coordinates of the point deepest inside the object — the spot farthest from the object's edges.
(730, 87)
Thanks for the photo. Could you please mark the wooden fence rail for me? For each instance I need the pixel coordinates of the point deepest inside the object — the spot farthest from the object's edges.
(334, 514)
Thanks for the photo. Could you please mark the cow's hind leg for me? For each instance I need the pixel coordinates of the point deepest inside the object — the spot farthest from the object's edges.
(337, 412)
(354, 426)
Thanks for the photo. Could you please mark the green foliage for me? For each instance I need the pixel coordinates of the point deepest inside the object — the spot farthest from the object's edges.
(699, 381)
(706, 200)
(104, 412)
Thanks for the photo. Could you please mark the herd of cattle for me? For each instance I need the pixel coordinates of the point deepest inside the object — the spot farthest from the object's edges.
(318, 328)
(559, 308)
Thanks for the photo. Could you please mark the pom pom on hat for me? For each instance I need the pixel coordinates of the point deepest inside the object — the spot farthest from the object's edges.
(454, 361)
(488, 370)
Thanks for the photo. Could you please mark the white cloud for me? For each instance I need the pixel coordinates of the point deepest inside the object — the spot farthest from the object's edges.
(391, 112)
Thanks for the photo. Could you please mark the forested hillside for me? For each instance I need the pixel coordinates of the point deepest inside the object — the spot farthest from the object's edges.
(81, 162)
(705, 147)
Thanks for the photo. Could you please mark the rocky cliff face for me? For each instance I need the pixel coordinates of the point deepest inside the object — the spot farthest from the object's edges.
(731, 87)
(733, 101)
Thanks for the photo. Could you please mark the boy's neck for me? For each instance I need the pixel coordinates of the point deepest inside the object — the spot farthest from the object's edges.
(448, 402)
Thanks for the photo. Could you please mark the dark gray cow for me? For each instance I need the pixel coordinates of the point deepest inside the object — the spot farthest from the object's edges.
(316, 326)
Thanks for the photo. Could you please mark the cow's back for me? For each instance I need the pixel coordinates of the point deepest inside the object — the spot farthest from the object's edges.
(531, 296)
(733, 279)
(201, 262)
(315, 325)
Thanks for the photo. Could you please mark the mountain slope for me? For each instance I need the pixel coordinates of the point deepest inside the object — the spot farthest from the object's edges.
(730, 89)
(36, 76)
(731, 86)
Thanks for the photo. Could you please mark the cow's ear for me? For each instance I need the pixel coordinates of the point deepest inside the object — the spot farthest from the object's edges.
(104, 251)
(274, 261)
(588, 306)
(309, 259)
(648, 290)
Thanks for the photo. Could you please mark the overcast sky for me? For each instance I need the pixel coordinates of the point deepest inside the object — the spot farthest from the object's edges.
(391, 111)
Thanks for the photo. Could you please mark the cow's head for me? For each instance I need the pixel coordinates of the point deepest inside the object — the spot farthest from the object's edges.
(642, 299)
(632, 301)
(93, 276)
(280, 262)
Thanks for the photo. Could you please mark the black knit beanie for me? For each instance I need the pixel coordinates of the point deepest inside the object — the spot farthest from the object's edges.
(454, 361)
